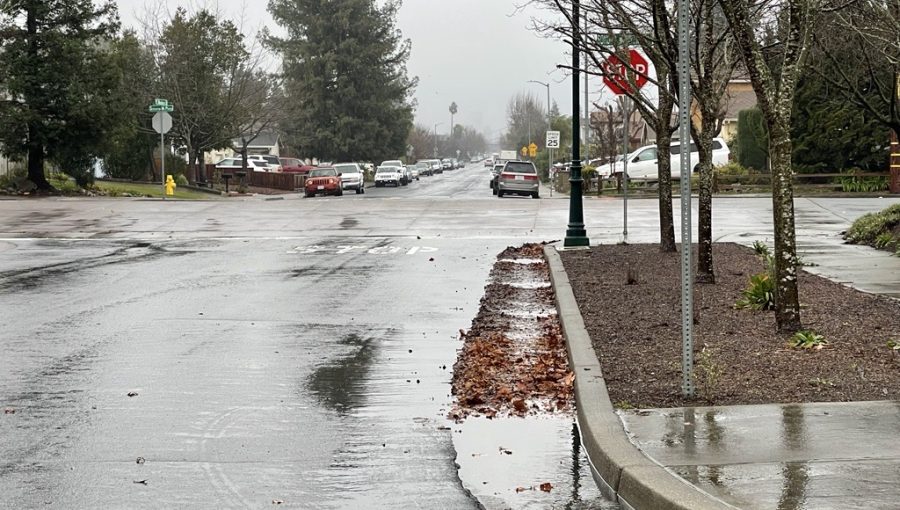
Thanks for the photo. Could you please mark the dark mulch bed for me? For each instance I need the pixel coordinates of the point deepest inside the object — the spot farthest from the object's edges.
(637, 335)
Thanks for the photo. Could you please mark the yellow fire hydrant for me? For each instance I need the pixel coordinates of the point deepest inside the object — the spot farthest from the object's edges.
(170, 186)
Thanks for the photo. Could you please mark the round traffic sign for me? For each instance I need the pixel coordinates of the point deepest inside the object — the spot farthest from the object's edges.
(620, 79)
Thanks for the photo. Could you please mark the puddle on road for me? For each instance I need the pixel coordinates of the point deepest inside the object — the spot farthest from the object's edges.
(340, 386)
(503, 462)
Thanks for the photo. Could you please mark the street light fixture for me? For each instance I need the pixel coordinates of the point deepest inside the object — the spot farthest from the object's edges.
(575, 233)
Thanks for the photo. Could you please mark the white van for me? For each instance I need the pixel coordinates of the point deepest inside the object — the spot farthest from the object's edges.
(643, 163)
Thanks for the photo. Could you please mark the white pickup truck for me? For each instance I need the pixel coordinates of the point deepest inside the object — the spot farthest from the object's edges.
(643, 163)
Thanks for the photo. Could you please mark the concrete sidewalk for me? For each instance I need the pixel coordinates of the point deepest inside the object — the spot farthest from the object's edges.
(825, 455)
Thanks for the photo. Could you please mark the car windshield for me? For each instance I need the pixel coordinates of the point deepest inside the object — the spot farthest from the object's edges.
(387, 170)
(520, 168)
(346, 169)
(323, 172)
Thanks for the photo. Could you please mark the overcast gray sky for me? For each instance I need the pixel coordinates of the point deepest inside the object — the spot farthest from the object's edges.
(478, 53)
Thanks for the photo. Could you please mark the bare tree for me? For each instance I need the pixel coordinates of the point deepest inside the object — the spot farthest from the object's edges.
(774, 70)
(713, 63)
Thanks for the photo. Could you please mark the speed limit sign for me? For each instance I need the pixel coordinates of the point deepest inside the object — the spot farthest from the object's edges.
(552, 139)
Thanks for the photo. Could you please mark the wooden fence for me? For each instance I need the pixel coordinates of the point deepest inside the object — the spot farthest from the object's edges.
(270, 180)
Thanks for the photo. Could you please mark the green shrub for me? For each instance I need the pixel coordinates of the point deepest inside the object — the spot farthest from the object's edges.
(732, 168)
(867, 228)
(181, 180)
(808, 339)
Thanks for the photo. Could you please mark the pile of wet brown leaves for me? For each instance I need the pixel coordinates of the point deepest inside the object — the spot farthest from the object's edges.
(513, 360)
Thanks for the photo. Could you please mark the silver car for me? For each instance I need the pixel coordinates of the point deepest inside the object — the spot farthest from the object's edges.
(351, 177)
(519, 177)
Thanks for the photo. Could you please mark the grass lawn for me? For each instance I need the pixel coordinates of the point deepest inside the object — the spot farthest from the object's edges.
(153, 190)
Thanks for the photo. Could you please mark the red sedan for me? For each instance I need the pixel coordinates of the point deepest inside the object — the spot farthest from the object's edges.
(325, 181)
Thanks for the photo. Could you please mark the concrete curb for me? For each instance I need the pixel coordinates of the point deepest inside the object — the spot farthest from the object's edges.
(622, 471)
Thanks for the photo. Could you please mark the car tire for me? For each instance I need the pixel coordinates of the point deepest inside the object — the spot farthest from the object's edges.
(535, 195)
(310, 195)
(358, 190)
(499, 194)
(340, 192)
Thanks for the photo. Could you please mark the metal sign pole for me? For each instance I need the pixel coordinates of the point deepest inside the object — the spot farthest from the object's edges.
(162, 160)
(627, 114)
(684, 136)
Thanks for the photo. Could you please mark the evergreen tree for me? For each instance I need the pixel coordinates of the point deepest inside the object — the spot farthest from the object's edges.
(54, 82)
(751, 144)
(345, 78)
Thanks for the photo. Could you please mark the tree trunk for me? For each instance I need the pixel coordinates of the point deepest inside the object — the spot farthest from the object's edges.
(36, 165)
(787, 299)
(704, 138)
(665, 107)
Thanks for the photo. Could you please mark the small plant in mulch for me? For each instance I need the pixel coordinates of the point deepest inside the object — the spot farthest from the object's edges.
(708, 373)
(808, 339)
(760, 294)
(761, 249)
(894, 346)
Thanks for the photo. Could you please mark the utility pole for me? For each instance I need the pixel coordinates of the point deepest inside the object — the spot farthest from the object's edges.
(549, 124)
(436, 139)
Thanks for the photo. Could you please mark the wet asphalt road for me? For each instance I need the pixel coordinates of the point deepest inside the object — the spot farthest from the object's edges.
(293, 350)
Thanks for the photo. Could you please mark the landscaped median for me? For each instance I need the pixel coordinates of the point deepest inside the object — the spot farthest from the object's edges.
(622, 471)
(626, 352)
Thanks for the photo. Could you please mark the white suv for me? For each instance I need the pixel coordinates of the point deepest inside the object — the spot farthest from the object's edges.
(351, 177)
(643, 163)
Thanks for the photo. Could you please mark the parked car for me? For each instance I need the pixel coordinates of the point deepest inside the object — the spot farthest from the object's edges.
(446, 164)
(436, 166)
(385, 175)
(424, 168)
(325, 181)
(413, 171)
(351, 177)
(520, 178)
(273, 161)
(495, 171)
(232, 165)
(644, 162)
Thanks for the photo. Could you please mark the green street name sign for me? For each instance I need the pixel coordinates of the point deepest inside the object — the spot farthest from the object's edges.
(161, 105)
(617, 40)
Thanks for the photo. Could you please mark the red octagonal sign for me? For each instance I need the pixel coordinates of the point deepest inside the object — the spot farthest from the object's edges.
(620, 79)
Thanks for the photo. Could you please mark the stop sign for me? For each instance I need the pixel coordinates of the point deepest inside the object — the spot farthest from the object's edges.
(618, 77)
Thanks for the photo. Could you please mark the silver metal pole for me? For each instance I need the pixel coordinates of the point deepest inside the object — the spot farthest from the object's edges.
(162, 160)
(684, 137)
(626, 111)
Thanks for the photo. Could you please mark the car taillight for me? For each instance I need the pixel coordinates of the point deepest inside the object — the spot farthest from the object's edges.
(530, 177)
(507, 176)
